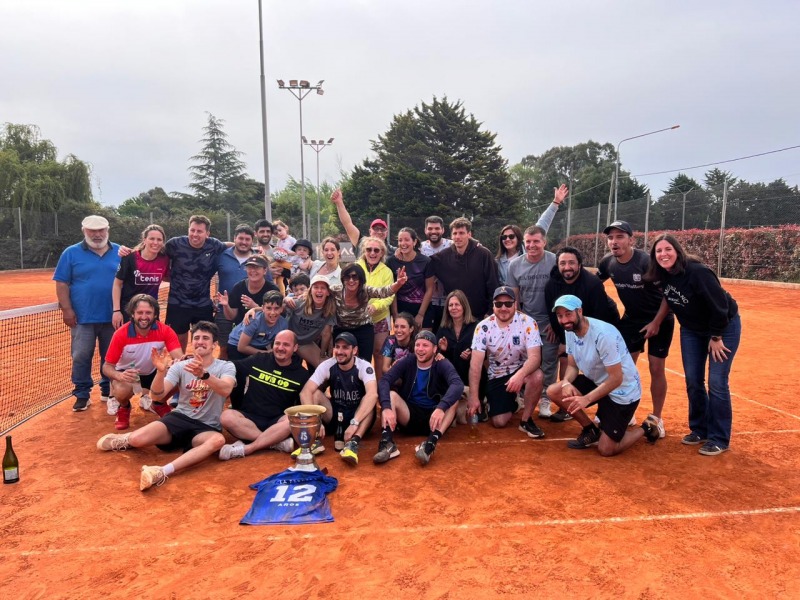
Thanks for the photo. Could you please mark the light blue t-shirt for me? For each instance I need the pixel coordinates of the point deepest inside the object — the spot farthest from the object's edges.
(602, 347)
(261, 334)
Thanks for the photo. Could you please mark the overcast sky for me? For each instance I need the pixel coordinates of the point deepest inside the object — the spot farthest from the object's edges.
(125, 84)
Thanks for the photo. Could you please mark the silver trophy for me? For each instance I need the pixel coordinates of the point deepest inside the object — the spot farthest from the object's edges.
(304, 423)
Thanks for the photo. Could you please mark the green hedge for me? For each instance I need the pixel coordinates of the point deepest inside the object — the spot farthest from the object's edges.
(764, 253)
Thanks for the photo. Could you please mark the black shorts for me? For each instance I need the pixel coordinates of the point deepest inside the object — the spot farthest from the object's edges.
(501, 401)
(224, 325)
(657, 346)
(614, 418)
(183, 430)
(433, 317)
(181, 318)
(263, 423)
(147, 380)
(419, 420)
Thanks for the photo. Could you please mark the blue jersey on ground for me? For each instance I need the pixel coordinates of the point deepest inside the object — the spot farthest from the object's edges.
(290, 498)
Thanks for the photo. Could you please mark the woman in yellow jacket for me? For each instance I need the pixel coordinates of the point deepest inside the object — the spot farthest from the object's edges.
(372, 253)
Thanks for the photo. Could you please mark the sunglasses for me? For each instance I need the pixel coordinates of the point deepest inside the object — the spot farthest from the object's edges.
(504, 303)
(372, 250)
(351, 276)
(510, 236)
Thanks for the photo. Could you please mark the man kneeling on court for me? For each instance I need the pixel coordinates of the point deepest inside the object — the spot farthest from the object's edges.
(609, 379)
(425, 403)
(354, 394)
(194, 427)
(271, 383)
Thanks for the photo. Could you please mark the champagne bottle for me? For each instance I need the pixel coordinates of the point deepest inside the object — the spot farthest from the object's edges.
(137, 385)
(10, 464)
(338, 438)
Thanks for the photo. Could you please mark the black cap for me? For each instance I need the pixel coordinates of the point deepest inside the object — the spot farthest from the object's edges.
(426, 335)
(623, 226)
(257, 260)
(304, 244)
(347, 338)
(504, 290)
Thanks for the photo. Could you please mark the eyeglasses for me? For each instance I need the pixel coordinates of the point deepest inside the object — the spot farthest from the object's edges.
(372, 250)
(505, 303)
(510, 236)
(351, 276)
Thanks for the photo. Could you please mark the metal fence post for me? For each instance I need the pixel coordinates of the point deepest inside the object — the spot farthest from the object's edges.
(21, 254)
(722, 227)
(647, 200)
(569, 205)
(228, 218)
(597, 233)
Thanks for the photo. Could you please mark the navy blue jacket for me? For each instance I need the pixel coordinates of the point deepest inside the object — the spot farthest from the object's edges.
(444, 383)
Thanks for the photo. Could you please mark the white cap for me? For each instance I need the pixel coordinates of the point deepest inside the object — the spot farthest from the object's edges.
(95, 222)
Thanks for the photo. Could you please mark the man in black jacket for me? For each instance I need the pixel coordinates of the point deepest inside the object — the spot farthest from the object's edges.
(425, 403)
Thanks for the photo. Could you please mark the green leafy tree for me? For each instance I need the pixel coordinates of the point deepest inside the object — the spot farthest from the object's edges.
(434, 158)
(683, 204)
(217, 167)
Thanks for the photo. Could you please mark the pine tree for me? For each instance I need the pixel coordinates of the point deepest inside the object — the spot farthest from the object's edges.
(217, 167)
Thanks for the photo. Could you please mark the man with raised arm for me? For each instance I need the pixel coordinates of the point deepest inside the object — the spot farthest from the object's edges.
(378, 228)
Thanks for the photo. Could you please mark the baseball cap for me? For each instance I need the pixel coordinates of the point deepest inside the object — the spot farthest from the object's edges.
(623, 226)
(569, 302)
(304, 244)
(347, 337)
(426, 335)
(320, 279)
(504, 290)
(257, 260)
(379, 222)
(95, 222)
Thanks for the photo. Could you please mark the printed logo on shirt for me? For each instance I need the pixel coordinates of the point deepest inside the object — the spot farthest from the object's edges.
(370, 371)
(140, 278)
(637, 277)
(515, 340)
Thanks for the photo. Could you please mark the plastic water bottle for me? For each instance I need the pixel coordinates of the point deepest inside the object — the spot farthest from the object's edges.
(474, 434)
(137, 385)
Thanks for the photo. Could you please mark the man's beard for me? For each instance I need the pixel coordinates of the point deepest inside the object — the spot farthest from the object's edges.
(96, 245)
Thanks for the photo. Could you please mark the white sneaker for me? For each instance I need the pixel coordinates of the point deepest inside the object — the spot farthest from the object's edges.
(103, 398)
(112, 405)
(596, 420)
(544, 408)
(662, 433)
(145, 402)
(286, 446)
(234, 450)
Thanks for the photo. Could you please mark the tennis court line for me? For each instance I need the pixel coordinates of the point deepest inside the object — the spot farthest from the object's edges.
(761, 404)
(429, 529)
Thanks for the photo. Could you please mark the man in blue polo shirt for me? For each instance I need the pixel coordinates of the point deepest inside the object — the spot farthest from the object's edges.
(84, 277)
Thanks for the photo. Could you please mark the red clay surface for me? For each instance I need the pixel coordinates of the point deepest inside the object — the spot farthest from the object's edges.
(503, 516)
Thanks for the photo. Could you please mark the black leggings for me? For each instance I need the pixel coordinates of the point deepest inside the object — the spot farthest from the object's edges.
(365, 335)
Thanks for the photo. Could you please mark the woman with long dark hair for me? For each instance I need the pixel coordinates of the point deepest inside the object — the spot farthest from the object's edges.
(329, 266)
(415, 296)
(710, 329)
(509, 247)
(401, 342)
(352, 302)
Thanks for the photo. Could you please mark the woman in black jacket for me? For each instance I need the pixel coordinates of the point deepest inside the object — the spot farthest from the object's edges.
(710, 327)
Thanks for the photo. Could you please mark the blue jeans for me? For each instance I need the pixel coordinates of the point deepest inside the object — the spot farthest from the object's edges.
(710, 412)
(84, 340)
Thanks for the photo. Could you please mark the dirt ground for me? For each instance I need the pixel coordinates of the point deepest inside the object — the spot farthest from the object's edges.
(498, 517)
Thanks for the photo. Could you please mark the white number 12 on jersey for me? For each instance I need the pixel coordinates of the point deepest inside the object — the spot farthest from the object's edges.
(301, 493)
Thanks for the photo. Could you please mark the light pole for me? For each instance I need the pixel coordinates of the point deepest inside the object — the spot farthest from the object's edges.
(616, 168)
(318, 146)
(267, 199)
(683, 211)
(300, 89)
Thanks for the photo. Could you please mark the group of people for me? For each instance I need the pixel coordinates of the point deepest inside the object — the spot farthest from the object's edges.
(401, 337)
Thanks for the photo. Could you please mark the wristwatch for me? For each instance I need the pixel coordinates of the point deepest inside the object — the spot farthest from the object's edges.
(355, 422)
(716, 338)
(205, 375)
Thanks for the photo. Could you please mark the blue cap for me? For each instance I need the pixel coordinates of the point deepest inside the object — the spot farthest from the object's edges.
(504, 290)
(569, 302)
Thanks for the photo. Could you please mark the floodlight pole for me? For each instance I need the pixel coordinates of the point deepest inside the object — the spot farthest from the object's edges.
(616, 168)
(318, 146)
(267, 199)
(300, 89)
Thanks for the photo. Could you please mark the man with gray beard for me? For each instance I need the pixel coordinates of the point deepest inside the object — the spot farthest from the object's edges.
(84, 277)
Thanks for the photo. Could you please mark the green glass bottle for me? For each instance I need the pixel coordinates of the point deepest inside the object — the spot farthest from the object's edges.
(10, 463)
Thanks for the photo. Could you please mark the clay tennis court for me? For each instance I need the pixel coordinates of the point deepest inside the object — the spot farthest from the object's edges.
(503, 516)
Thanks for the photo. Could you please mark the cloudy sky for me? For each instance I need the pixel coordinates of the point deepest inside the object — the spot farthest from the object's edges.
(125, 84)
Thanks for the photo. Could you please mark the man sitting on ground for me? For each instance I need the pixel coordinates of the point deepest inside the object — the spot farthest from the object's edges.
(425, 403)
(203, 383)
(271, 383)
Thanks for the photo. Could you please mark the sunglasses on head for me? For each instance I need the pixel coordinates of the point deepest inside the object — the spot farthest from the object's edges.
(351, 276)
(372, 250)
(504, 303)
(510, 236)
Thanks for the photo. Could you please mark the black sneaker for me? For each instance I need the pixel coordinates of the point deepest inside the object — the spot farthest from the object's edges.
(561, 416)
(387, 450)
(531, 429)
(693, 439)
(483, 416)
(81, 404)
(424, 452)
(650, 426)
(588, 438)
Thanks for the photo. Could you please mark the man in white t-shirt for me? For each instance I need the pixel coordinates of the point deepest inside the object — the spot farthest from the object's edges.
(510, 340)
(608, 378)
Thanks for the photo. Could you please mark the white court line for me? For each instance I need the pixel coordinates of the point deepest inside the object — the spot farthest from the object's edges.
(428, 529)
(777, 410)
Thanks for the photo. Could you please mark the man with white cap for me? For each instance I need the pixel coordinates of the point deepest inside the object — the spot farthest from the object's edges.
(599, 371)
(647, 316)
(510, 340)
(84, 277)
